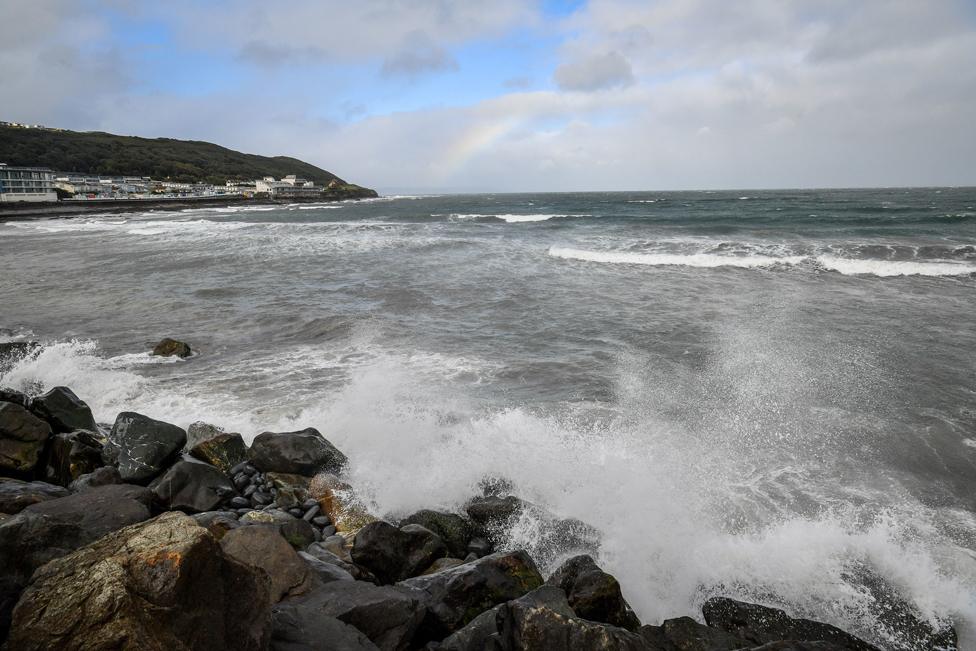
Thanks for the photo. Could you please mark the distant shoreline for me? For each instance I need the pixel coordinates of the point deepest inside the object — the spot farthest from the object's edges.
(27, 211)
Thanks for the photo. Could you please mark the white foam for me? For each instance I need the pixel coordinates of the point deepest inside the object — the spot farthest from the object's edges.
(704, 260)
(886, 268)
(511, 218)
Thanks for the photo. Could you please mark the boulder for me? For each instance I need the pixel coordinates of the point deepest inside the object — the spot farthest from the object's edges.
(593, 594)
(192, 486)
(200, 431)
(453, 529)
(22, 438)
(761, 624)
(393, 554)
(455, 596)
(794, 645)
(171, 347)
(303, 453)
(13, 351)
(162, 584)
(340, 502)
(64, 411)
(543, 619)
(299, 533)
(319, 552)
(685, 634)
(325, 572)
(16, 495)
(223, 450)
(71, 455)
(218, 523)
(388, 616)
(54, 528)
(141, 447)
(445, 563)
(104, 476)
(493, 511)
(294, 628)
(264, 548)
(17, 397)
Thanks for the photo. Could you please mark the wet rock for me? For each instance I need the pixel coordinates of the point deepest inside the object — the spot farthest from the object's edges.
(794, 645)
(22, 438)
(543, 619)
(305, 452)
(295, 628)
(141, 447)
(593, 594)
(453, 529)
(218, 523)
(12, 395)
(171, 347)
(393, 554)
(340, 502)
(685, 634)
(64, 411)
(71, 455)
(272, 517)
(479, 547)
(200, 431)
(221, 450)
(191, 486)
(493, 511)
(455, 596)
(104, 476)
(480, 634)
(760, 624)
(13, 351)
(388, 616)
(16, 495)
(264, 548)
(54, 528)
(319, 551)
(325, 572)
(157, 585)
(445, 563)
(299, 533)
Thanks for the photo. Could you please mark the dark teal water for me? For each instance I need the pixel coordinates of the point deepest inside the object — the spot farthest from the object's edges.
(750, 392)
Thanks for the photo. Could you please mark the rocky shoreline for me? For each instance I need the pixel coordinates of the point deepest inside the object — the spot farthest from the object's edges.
(142, 535)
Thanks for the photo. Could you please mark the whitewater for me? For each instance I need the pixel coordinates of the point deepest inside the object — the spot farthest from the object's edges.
(766, 395)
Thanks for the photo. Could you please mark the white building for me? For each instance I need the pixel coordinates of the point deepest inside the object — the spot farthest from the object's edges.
(290, 186)
(26, 184)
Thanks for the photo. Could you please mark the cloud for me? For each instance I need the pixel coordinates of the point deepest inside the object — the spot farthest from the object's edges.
(596, 72)
(418, 55)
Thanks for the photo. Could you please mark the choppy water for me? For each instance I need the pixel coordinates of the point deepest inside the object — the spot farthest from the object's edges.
(752, 393)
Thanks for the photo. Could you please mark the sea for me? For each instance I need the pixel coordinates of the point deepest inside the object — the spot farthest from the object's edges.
(769, 395)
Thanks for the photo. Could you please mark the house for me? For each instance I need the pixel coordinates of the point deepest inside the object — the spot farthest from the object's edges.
(26, 184)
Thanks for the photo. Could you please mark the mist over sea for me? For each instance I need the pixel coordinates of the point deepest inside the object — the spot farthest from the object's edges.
(762, 394)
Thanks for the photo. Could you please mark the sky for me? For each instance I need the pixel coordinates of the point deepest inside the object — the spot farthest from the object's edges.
(513, 95)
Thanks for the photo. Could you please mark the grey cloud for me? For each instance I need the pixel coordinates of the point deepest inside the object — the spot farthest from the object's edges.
(596, 72)
(419, 55)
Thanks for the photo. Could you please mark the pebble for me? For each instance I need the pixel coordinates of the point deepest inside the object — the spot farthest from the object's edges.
(249, 469)
(296, 512)
(309, 503)
(311, 513)
(238, 468)
(240, 503)
(241, 480)
(250, 490)
(328, 531)
(243, 510)
(261, 498)
(317, 534)
(321, 521)
(479, 546)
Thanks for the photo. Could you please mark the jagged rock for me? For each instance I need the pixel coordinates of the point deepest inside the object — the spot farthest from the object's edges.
(71, 455)
(171, 347)
(339, 501)
(192, 486)
(492, 511)
(64, 411)
(320, 552)
(543, 619)
(303, 453)
(295, 629)
(104, 476)
(13, 351)
(218, 523)
(593, 594)
(200, 431)
(325, 572)
(454, 530)
(388, 616)
(685, 634)
(493, 515)
(22, 438)
(16, 495)
(163, 584)
(760, 624)
(455, 596)
(54, 528)
(445, 563)
(264, 548)
(141, 447)
(393, 554)
(224, 450)
(17, 397)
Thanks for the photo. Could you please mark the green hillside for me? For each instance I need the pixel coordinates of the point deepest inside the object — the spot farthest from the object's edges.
(161, 158)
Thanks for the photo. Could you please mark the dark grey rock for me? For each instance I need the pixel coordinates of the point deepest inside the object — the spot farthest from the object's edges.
(172, 348)
(393, 554)
(64, 411)
(224, 450)
(12, 352)
(479, 547)
(71, 455)
(305, 452)
(217, 522)
(297, 627)
(16, 495)
(493, 511)
(240, 503)
(593, 594)
(191, 486)
(22, 438)
(326, 572)
(760, 624)
(453, 529)
(264, 548)
(311, 513)
(104, 476)
(17, 397)
(200, 431)
(141, 447)
(321, 521)
(299, 533)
